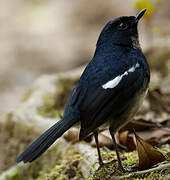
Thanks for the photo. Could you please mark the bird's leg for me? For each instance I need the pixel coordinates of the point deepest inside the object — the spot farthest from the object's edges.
(120, 167)
(98, 149)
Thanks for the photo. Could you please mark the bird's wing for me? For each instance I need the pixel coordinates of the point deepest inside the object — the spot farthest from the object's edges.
(75, 99)
(112, 97)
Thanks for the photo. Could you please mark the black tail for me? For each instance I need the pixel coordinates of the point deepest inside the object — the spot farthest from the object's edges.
(41, 144)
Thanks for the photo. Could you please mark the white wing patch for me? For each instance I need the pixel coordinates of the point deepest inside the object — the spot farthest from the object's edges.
(114, 82)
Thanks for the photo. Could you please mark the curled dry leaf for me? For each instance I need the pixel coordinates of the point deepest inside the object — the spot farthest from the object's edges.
(127, 140)
(148, 156)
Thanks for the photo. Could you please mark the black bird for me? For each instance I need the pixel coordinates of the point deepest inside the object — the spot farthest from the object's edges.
(110, 90)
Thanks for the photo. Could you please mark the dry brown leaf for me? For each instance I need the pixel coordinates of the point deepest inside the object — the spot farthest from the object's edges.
(140, 125)
(154, 133)
(156, 136)
(148, 156)
(126, 140)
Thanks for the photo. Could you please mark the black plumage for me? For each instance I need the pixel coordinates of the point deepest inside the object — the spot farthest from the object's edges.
(110, 90)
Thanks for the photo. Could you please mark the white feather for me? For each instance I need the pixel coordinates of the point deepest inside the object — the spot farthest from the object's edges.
(114, 82)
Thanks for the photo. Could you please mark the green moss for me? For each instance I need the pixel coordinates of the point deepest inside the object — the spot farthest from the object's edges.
(42, 165)
(107, 156)
(128, 159)
(65, 168)
(54, 173)
(48, 109)
(54, 102)
(65, 87)
(102, 173)
(47, 112)
(90, 178)
(14, 176)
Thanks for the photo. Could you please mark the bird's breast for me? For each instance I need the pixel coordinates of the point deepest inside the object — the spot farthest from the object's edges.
(131, 108)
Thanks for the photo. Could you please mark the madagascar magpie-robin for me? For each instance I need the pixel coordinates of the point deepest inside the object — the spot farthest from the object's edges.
(110, 90)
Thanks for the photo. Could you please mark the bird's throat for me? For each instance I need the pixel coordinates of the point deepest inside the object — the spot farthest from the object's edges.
(135, 43)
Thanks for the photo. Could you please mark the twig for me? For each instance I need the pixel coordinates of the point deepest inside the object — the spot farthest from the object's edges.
(132, 174)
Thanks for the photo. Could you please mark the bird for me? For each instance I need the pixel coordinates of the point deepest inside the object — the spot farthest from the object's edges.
(109, 92)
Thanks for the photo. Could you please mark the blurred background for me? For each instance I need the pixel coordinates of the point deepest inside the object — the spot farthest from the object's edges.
(43, 37)
(39, 37)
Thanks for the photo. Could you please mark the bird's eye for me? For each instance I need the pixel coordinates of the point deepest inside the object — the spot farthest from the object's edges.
(122, 26)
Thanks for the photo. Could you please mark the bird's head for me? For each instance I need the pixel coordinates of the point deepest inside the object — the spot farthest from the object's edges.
(121, 31)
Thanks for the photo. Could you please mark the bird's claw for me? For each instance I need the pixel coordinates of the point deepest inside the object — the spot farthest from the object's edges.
(120, 168)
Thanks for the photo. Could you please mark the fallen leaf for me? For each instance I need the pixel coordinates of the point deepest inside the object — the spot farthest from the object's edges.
(148, 156)
(126, 140)
(156, 136)
(152, 132)
(140, 125)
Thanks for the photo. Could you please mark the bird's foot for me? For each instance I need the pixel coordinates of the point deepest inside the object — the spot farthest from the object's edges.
(121, 168)
(101, 164)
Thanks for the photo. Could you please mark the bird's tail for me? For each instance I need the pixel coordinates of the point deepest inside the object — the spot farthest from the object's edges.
(41, 144)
